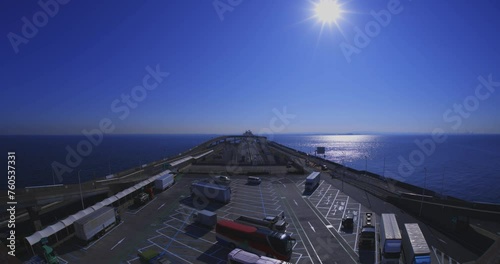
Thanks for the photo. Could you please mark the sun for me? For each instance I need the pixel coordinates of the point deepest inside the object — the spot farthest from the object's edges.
(328, 11)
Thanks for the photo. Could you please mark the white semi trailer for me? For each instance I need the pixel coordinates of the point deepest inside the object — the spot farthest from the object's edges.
(87, 227)
(312, 181)
(164, 182)
(416, 250)
(390, 239)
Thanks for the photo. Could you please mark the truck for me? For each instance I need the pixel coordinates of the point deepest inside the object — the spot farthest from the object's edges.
(367, 234)
(240, 256)
(164, 182)
(390, 239)
(416, 250)
(273, 223)
(210, 191)
(95, 223)
(312, 181)
(205, 217)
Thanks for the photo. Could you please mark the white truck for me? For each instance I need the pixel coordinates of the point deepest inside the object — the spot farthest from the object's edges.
(210, 191)
(87, 227)
(240, 256)
(390, 239)
(312, 181)
(416, 250)
(205, 217)
(164, 182)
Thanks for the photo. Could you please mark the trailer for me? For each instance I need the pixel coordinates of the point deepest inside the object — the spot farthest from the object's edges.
(210, 191)
(416, 250)
(271, 223)
(390, 239)
(240, 256)
(312, 181)
(164, 182)
(87, 227)
(205, 217)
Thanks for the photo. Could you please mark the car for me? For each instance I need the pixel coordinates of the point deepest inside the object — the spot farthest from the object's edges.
(221, 179)
(141, 199)
(253, 180)
(348, 221)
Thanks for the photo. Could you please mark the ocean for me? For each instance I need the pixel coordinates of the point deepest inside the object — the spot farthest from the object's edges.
(463, 166)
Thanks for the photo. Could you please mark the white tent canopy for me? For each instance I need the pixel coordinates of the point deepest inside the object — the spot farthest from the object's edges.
(52, 229)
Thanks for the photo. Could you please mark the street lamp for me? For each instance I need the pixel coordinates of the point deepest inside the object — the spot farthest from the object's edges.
(366, 165)
(81, 193)
(423, 192)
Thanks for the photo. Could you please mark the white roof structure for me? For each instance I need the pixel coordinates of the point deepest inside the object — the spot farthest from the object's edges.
(52, 229)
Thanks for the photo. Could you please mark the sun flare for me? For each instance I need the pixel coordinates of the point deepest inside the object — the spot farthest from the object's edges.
(328, 11)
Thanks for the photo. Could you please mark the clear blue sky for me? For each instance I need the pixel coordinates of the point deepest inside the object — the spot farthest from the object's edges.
(228, 76)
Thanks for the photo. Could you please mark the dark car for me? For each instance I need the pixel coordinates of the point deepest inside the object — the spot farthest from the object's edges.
(141, 199)
(348, 221)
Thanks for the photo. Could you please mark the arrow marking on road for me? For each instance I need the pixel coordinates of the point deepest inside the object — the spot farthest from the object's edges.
(311, 226)
(117, 243)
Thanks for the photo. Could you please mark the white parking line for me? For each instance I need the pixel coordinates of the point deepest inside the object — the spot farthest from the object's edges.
(357, 229)
(343, 214)
(332, 203)
(142, 207)
(323, 196)
(118, 243)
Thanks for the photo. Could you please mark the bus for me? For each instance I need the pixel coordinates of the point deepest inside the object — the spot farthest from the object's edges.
(261, 241)
(240, 256)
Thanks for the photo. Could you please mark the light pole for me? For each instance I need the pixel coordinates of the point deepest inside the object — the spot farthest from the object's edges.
(81, 193)
(366, 165)
(343, 170)
(423, 192)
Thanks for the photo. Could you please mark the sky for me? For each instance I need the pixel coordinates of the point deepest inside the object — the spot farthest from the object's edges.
(269, 66)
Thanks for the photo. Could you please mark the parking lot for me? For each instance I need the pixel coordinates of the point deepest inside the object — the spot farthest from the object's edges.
(165, 224)
(185, 242)
(333, 204)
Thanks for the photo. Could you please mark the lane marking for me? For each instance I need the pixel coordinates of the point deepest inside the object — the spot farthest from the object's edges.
(441, 240)
(160, 206)
(117, 243)
(312, 227)
(357, 229)
(295, 202)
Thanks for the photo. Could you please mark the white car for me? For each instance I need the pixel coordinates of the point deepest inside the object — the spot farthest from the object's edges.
(221, 179)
